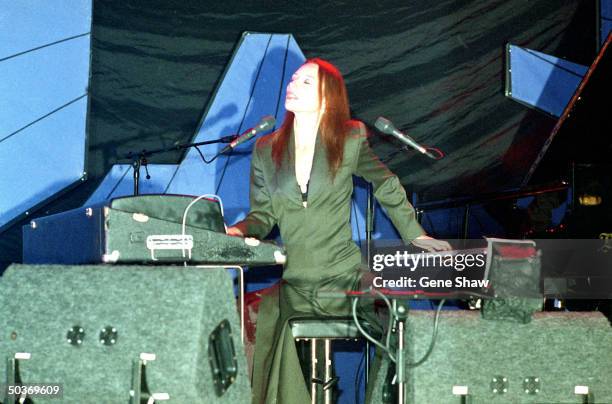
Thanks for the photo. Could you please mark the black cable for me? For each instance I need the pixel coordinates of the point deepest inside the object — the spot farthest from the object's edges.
(177, 167)
(358, 377)
(366, 334)
(204, 158)
(224, 170)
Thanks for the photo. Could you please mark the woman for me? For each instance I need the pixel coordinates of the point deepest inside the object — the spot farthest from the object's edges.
(301, 180)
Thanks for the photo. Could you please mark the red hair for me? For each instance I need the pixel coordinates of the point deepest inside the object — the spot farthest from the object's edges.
(334, 126)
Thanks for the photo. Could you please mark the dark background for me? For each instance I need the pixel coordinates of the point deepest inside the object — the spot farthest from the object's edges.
(436, 69)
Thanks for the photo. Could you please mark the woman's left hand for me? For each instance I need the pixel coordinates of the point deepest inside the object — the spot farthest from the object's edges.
(431, 244)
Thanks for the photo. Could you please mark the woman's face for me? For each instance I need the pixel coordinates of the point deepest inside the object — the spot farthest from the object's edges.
(303, 90)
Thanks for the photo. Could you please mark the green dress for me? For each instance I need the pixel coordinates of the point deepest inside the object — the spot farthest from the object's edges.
(320, 251)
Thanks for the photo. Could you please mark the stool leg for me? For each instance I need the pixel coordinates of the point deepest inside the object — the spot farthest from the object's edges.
(328, 370)
(313, 370)
(367, 362)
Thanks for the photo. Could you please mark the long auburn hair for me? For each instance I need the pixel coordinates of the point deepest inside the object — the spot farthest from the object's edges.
(334, 125)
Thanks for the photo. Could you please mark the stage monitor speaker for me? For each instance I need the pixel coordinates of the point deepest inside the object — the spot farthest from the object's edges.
(123, 334)
(556, 358)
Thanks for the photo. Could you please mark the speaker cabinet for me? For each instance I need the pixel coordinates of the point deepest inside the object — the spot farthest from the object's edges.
(505, 362)
(87, 326)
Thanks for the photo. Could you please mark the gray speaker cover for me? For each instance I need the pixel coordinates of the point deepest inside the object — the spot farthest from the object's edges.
(169, 311)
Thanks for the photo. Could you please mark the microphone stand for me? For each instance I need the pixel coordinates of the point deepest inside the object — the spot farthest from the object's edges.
(140, 159)
(371, 206)
(399, 310)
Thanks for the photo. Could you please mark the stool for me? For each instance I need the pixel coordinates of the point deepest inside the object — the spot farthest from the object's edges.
(326, 329)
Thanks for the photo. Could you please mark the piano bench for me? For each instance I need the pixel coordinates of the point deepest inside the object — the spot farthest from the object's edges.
(320, 331)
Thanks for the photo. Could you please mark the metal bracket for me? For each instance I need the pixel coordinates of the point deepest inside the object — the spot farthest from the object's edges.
(183, 242)
(140, 394)
(462, 392)
(13, 377)
(585, 394)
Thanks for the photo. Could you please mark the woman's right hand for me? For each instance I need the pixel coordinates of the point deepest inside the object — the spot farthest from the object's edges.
(234, 231)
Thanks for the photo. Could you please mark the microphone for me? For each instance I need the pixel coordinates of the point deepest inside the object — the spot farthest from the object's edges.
(265, 124)
(385, 126)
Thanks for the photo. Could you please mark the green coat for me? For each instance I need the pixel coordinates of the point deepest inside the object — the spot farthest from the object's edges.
(320, 249)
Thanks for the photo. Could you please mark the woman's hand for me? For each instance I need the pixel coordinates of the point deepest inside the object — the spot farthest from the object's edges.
(431, 244)
(234, 231)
